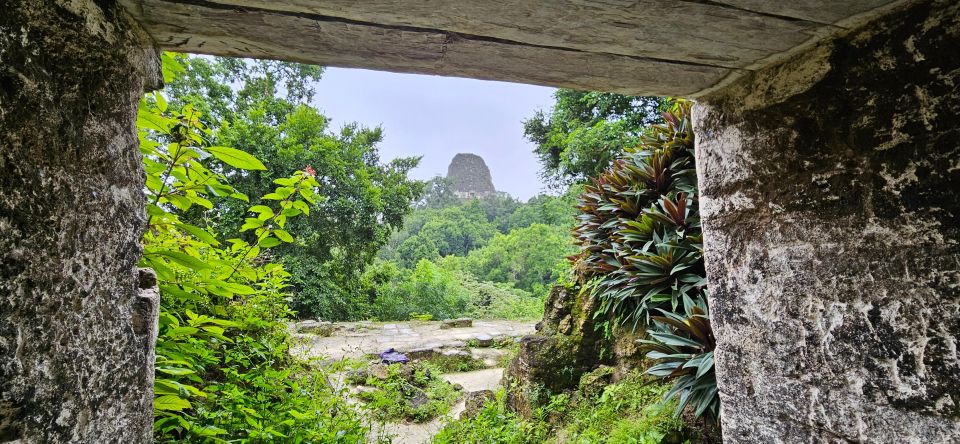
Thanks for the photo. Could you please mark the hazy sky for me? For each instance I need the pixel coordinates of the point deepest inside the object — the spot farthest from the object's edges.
(437, 117)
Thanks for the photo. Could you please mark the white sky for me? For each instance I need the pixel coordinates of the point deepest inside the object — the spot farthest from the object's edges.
(437, 117)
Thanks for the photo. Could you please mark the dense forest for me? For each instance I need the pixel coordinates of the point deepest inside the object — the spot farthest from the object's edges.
(379, 245)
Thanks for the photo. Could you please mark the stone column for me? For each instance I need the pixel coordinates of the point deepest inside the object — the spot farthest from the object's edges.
(831, 207)
(75, 348)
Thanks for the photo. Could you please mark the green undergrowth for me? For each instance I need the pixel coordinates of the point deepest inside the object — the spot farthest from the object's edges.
(494, 423)
(411, 392)
(628, 412)
(631, 411)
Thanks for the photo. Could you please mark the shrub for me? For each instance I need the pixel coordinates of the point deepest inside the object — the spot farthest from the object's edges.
(427, 289)
(439, 290)
(639, 228)
(223, 371)
(683, 345)
(527, 257)
(490, 300)
(628, 411)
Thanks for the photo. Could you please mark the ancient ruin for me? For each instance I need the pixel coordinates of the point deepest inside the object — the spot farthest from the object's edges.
(827, 157)
(469, 176)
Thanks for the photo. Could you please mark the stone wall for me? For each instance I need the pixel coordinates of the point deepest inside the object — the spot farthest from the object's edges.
(831, 213)
(76, 352)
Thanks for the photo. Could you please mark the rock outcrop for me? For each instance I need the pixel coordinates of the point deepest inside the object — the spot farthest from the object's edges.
(567, 346)
(469, 176)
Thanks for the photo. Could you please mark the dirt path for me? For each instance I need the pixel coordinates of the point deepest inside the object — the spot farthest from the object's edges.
(355, 340)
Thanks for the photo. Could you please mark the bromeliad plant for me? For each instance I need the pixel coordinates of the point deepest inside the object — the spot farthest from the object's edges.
(683, 345)
(639, 230)
(223, 371)
(642, 248)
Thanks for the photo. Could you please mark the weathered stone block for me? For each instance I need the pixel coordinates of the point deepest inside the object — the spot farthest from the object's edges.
(474, 402)
(456, 323)
(76, 330)
(319, 328)
(831, 211)
(483, 340)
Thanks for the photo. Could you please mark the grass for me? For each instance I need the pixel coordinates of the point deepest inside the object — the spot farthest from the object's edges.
(631, 411)
(510, 350)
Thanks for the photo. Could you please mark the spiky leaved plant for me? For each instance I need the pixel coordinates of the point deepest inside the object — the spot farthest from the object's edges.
(683, 344)
(642, 255)
(639, 229)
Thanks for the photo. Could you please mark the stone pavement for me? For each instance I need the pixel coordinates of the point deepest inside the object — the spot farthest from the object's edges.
(357, 339)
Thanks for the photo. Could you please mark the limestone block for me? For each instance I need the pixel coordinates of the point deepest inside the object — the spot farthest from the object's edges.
(319, 328)
(456, 323)
(831, 215)
(77, 330)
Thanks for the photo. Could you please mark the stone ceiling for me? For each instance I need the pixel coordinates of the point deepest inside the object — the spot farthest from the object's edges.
(656, 47)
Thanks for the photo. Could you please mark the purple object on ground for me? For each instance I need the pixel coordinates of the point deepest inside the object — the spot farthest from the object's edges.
(392, 356)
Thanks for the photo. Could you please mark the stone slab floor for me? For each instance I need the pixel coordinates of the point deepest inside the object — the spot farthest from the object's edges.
(356, 339)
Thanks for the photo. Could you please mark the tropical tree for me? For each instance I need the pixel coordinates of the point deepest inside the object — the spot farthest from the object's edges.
(585, 131)
(263, 108)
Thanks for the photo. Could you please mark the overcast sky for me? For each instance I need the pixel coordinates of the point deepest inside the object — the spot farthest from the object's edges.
(437, 117)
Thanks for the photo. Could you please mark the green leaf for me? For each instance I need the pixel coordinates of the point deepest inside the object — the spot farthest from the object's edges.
(178, 293)
(181, 331)
(160, 101)
(291, 212)
(175, 370)
(156, 122)
(199, 233)
(237, 288)
(235, 158)
(182, 203)
(183, 259)
(170, 67)
(283, 235)
(251, 223)
(171, 403)
(302, 206)
(706, 364)
(264, 211)
(268, 242)
(286, 181)
(209, 431)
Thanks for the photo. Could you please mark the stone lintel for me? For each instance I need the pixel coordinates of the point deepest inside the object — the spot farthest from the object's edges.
(649, 47)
